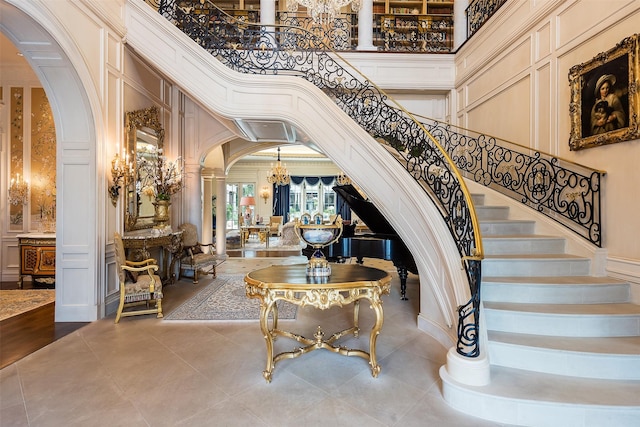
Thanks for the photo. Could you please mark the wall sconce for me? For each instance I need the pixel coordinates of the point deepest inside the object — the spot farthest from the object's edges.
(120, 168)
(264, 193)
(18, 191)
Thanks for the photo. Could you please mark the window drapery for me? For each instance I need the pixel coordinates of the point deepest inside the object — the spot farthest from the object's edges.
(281, 195)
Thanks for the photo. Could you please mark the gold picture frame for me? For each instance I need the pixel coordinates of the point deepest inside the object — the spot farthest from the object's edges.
(605, 97)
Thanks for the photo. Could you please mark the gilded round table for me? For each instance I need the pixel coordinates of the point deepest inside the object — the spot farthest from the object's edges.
(348, 283)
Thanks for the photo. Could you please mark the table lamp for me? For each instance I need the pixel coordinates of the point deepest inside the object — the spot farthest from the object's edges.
(247, 202)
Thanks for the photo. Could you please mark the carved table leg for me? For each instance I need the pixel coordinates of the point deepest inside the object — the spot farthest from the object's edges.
(376, 306)
(268, 336)
(356, 316)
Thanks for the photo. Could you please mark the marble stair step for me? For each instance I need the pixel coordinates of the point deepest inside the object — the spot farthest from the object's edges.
(535, 265)
(569, 320)
(523, 244)
(602, 357)
(492, 212)
(478, 199)
(555, 289)
(520, 397)
(500, 227)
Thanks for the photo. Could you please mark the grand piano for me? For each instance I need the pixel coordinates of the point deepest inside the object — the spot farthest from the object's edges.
(382, 243)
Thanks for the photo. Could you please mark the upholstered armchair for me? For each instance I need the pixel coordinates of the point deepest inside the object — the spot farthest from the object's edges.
(275, 225)
(193, 256)
(139, 284)
(289, 237)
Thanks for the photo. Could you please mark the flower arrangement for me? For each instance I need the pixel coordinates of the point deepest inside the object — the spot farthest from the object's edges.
(162, 178)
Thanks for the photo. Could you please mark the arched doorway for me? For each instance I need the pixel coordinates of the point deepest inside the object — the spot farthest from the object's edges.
(61, 70)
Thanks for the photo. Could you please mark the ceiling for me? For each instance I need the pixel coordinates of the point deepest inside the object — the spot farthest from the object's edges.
(289, 152)
(295, 145)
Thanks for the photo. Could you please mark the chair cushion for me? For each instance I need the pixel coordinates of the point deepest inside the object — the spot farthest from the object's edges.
(139, 291)
(199, 260)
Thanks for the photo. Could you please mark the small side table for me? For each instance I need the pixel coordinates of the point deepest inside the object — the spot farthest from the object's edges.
(348, 283)
(140, 241)
(37, 257)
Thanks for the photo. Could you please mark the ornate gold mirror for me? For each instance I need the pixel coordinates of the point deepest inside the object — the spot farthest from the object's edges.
(144, 139)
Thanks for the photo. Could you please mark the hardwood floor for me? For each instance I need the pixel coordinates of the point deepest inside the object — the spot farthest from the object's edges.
(25, 333)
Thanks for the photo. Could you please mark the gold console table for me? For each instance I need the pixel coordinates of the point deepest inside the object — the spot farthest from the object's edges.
(348, 283)
(140, 241)
(261, 230)
(37, 257)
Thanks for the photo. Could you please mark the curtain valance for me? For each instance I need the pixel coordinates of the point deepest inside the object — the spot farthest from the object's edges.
(313, 180)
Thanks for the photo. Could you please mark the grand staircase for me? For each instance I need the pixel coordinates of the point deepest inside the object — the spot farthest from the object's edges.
(564, 346)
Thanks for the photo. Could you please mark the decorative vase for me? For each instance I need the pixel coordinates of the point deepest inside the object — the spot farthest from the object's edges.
(161, 215)
(318, 235)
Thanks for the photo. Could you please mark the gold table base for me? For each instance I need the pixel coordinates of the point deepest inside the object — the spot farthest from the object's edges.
(347, 284)
(261, 230)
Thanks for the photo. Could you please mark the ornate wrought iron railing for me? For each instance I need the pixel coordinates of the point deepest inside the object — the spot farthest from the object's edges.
(565, 191)
(274, 49)
(479, 12)
(339, 34)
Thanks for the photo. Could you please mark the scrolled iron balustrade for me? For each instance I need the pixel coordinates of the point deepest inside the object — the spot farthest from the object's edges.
(479, 12)
(337, 34)
(564, 191)
(276, 50)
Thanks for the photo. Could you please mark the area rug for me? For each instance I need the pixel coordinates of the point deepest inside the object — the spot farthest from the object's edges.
(275, 244)
(17, 301)
(225, 300)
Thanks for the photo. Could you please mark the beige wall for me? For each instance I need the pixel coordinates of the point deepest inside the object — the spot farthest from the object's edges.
(512, 82)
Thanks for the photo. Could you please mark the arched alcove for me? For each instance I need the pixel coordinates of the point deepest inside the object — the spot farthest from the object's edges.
(61, 70)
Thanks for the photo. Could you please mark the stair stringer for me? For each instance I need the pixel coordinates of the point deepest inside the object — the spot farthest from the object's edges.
(233, 95)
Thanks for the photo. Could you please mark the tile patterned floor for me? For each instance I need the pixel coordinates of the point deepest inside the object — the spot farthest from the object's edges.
(146, 372)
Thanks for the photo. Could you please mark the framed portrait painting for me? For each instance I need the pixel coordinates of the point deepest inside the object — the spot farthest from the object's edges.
(605, 98)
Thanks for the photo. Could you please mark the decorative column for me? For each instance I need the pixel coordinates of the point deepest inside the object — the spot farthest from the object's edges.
(267, 12)
(193, 196)
(365, 26)
(221, 212)
(207, 208)
(460, 23)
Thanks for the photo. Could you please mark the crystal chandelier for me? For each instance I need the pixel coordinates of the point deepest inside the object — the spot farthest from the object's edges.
(323, 11)
(278, 174)
(18, 191)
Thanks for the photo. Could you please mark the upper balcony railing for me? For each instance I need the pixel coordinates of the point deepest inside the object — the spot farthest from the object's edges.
(405, 31)
(341, 34)
(479, 12)
(275, 49)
